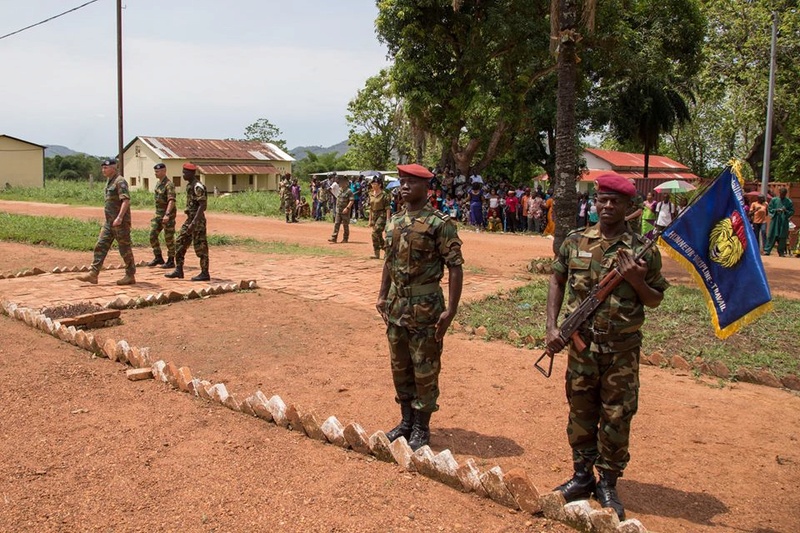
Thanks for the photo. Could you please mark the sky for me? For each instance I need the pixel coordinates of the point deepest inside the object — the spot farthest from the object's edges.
(192, 68)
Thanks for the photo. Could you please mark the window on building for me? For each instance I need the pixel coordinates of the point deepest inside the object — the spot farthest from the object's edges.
(176, 181)
(233, 179)
(251, 179)
(133, 182)
(146, 183)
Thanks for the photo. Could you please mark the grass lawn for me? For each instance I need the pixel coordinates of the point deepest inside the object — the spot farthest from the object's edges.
(73, 234)
(263, 203)
(680, 325)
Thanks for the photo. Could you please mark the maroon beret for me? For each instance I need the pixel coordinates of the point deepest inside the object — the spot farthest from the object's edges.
(414, 171)
(615, 184)
(189, 166)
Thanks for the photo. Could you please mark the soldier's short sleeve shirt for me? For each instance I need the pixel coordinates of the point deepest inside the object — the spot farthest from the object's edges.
(585, 257)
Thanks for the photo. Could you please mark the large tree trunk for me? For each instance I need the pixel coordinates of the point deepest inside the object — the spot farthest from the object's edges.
(565, 195)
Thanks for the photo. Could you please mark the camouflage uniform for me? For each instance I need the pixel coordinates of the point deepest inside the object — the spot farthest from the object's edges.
(282, 186)
(164, 192)
(195, 196)
(378, 205)
(345, 197)
(115, 192)
(287, 202)
(602, 382)
(418, 247)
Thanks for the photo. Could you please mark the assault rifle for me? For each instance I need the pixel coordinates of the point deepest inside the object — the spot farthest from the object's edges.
(569, 328)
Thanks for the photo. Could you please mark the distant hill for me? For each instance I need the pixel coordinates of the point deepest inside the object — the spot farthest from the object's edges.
(300, 152)
(53, 150)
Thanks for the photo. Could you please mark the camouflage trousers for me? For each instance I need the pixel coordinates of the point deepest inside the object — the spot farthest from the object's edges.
(341, 220)
(378, 242)
(416, 361)
(603, 395)
(197, 237)
(156, 225)
(109, 234)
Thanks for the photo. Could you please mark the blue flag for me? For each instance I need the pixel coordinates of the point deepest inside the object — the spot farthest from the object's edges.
(714, 241)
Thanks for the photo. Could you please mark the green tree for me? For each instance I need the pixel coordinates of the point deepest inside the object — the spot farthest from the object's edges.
(729, 117)
(379, 127)
(265, 131)
(464, 69)
(314, 163)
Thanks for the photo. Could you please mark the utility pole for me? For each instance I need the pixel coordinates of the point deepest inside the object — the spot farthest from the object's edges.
(770, 98)
(120, 138)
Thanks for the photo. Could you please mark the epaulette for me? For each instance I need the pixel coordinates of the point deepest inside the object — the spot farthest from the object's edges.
(442, 216)
(575, 231)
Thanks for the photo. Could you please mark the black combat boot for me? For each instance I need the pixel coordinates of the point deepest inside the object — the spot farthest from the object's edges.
(177, 273)
(158, 259)
(421, 432)
(582, 484)
(403, 429)
(202, 276)
(170, 263)
(607, 491)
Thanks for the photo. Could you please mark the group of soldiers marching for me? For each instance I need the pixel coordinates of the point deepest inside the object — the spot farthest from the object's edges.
(117, 226)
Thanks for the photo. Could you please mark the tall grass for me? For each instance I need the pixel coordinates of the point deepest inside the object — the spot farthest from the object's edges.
(680, 325)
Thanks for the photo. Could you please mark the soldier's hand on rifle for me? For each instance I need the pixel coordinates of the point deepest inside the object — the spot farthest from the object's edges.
(633, 271)
(554, 341)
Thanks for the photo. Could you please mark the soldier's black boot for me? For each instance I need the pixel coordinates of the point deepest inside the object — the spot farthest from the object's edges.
(170, 263)
(582, 484)
(158, 259)
(607, 491)
(403, 429)
(177, 273)
(202, 276)
(421, 432)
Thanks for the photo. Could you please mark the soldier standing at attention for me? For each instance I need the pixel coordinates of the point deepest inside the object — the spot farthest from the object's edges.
(288, 201)
(344, 204)
(602, 382)
(380, 209)
(194, 229)
(420, 242)
(165, 218)
(117, 226)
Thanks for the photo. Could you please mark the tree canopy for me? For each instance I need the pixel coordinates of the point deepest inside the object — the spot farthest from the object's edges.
(265, 131)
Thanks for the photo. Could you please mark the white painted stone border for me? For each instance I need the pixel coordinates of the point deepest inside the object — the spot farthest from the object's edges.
(512, 489)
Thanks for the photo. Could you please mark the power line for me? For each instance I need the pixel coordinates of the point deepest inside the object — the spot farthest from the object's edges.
(47, 20)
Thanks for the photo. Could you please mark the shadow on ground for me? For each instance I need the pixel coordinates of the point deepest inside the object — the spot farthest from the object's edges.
(648, 498)
(462, 441)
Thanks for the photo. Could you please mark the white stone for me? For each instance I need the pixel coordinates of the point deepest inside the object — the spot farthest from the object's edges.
(278, 410)
(334, 432)
(218, 393)
(158, 371)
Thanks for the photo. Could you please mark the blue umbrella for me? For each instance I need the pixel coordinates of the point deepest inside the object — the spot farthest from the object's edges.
(392, 184)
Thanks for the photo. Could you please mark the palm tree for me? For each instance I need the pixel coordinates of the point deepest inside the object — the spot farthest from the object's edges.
(564, 35)
(645, 109)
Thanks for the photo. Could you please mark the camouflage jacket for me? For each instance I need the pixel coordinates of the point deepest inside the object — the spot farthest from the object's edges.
(418, 247)
(195, 195)
(345, 197)
(115, 192)
(379, 203)
(163, 193)
(584, 258)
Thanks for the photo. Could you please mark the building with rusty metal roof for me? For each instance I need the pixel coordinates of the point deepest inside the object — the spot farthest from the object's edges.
(224, 165)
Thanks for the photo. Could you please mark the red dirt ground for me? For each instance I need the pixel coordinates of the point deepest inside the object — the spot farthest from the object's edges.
(86, 449)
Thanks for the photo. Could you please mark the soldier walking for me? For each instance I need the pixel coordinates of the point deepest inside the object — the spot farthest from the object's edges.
(164, 219)
(116, 227)
(420, 242)
(194, 228)
(344, 204)
(602, 381)
(380, 209)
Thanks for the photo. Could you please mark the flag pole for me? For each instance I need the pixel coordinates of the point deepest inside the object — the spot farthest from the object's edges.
(770, 110)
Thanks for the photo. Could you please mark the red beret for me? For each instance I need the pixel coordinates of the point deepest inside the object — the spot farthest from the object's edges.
(414, 171)
(615, 184)
(189, 166)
